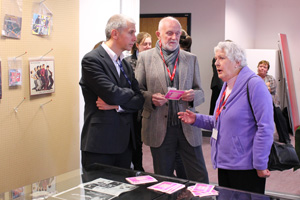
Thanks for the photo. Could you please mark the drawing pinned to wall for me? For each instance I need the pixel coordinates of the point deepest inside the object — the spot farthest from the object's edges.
(41, 24)
(41, 20)
(14, 71)
(18, 193)
(44, 188)
(2, 196)
(12, 26)
(41, 76)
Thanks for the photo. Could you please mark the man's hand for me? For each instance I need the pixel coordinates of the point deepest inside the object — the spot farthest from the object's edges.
(263, 173)
(187, 117)
(188, 95)
(104, 106)
(159, 99)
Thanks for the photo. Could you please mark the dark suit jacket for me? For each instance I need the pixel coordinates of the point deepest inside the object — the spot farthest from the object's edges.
(107, 131)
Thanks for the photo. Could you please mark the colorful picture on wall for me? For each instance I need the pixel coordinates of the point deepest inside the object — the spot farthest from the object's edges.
(41, 77)
(41, 24)
(2, 196)
(12, 26)
(44, 188)
(18, 193)
(15, 77)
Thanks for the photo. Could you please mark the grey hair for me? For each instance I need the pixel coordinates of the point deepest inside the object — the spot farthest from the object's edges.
(233, 51)
(118, 22)
(160, 24)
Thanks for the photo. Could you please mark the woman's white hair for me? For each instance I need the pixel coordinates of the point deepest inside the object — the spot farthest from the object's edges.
(118, 22)
(233, 51)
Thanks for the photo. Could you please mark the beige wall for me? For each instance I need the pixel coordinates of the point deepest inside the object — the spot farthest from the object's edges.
(37, 143)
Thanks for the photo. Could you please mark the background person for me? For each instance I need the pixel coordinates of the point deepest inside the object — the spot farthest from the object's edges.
(279, 119)
(161, 128)
(143, 42)
(241, 140)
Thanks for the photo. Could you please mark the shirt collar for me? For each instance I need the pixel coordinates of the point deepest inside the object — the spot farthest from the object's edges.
(111, 53)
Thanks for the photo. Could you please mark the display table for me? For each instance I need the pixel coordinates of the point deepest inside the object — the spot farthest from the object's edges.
(66, 187)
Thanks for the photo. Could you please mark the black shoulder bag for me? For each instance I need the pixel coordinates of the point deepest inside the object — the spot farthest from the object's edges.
(282, 156)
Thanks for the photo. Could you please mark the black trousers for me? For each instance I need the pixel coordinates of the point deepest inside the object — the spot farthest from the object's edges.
(246, 180)
(122, 160)
(192, 157)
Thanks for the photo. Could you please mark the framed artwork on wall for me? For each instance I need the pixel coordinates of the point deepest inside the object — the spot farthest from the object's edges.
(41, 78)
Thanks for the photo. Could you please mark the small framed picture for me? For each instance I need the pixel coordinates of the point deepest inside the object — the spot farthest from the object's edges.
(41, 78)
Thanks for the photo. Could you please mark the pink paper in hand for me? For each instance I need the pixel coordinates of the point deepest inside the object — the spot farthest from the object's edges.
(174, 94)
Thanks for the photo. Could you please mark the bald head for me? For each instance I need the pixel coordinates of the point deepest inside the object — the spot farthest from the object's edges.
(169, 30)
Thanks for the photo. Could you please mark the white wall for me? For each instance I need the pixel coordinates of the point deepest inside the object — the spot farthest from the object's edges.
(255, 24)
(280, 16)
(240, 20)
(207, 30)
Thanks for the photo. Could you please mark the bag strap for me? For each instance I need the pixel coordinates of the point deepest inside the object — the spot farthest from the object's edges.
(248, 96)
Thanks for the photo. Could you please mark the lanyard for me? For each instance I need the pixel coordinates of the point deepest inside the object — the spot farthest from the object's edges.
(219, 109)
(123, 72)
(174, 70)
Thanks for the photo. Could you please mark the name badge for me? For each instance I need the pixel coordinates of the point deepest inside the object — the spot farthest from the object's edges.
(214, 134)
(171, 88)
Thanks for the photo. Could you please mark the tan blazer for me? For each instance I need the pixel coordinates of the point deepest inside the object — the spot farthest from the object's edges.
(150, 73)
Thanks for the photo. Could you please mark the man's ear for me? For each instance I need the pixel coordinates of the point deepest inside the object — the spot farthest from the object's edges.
(157, 34)
(114, 34)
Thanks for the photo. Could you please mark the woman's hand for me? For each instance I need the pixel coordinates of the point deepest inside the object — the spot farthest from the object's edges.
(187, 117)
(263, 173)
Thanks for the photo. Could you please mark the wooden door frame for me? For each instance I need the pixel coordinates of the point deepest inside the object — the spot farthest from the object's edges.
(187, 15)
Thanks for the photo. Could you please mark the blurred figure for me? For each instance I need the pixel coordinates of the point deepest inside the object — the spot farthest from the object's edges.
(279, 119)
(185, 41)
(143, 42)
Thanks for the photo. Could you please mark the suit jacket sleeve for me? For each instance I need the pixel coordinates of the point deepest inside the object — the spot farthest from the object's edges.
(199, 93)
(99, 77)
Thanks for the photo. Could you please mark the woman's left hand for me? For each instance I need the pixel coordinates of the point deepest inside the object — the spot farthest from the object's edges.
(263, 173)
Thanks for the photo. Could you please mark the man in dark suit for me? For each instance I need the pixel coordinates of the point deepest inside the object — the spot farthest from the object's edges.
(108, 134)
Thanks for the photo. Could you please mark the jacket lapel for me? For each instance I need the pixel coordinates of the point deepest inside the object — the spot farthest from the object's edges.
(159, 71)
(183, 69)
(109, 64)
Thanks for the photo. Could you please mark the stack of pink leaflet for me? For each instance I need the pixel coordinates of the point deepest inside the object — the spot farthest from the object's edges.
(167, 187)
(203, 190)
(137, 180)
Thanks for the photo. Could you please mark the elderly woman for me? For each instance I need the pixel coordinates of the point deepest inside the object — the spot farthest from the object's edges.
(242, 134)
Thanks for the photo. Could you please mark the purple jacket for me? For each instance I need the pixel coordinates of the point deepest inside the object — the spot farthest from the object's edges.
(242, 144)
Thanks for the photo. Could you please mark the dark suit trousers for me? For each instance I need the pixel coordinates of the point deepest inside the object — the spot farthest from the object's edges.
(122, 160)
(192, 157)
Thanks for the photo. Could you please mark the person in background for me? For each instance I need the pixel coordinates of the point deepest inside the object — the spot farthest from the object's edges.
(279, 119)
(111, 94)
(241, 139)
(262, 71)
(143, 43)
(162, 67)
(185, 41)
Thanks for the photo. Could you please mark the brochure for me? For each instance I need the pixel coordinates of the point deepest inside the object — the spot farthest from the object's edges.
(174, 94)
(141, 180)
(167, 187)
